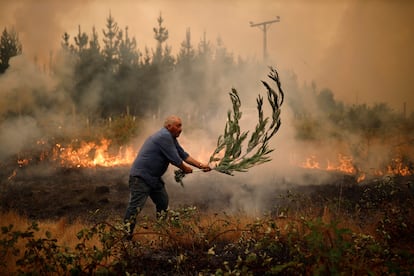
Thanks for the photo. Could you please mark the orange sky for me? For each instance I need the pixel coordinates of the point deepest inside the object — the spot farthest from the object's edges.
(361, 50)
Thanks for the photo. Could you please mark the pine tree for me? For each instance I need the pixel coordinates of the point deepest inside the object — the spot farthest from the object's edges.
(65, 41)
(160, 35)
(222, 56)
(10, 46)
(146, 58)
(187, 53)
(128, 85)
(204, 49)
(168, 59)
(94, 42)
(128, 54)
(111, 43)
(81, 41)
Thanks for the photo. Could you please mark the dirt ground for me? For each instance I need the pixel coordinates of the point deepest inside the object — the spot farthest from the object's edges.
(47, 192)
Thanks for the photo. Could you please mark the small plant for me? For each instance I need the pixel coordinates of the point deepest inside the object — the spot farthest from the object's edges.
(121, 129)
(185, 242)
(42, 255)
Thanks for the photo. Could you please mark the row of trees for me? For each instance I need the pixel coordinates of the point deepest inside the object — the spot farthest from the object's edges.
(111, 76)
(130, 80)
(121, 78)
(325, 117)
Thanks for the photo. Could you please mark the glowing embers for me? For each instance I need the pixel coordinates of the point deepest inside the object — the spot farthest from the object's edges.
(398, 166)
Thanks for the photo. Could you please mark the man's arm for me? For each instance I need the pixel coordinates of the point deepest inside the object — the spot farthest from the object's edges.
(185, 168)
(197, 164)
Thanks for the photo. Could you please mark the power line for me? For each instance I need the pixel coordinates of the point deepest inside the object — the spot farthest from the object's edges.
(264, 26)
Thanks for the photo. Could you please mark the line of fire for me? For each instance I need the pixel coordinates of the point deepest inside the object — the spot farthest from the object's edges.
(83, 154)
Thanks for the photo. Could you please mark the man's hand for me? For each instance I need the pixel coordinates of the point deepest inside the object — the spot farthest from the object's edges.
(186, 169)
(204, 167)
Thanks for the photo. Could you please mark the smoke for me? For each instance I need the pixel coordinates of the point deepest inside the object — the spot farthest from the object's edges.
(29, 99)
(40, 24)
(36, 104)
(25, 89)
(374, 39)
(16, 134)
(360, 50)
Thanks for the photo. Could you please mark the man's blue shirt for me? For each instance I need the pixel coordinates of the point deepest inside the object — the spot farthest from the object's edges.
(158, 151)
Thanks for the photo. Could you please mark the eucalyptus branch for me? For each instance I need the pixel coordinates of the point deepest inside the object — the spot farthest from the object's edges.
(230, 144)
(229, 155)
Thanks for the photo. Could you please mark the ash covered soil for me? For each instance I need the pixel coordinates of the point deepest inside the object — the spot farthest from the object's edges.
(50, 193)
(47, 192)
(54, 192)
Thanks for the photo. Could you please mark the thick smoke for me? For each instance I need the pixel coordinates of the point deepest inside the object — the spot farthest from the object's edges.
(30, 101)
(360, 70)
(16, 134)
(360, 49)
(41, 97)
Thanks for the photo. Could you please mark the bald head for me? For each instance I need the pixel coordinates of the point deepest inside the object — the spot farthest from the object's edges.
(172, 119)
(173, 124)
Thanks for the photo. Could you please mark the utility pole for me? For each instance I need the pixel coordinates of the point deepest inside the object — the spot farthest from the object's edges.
(263, 26)
(405, 110)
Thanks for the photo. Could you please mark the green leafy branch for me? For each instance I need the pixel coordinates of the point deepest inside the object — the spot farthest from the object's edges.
(232, 141)
(229, 155)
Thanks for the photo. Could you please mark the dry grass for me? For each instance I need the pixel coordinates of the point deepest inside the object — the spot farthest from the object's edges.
(62, 231)
(198, 232)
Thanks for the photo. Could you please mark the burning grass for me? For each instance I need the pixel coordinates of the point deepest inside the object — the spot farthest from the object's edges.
(60, 215)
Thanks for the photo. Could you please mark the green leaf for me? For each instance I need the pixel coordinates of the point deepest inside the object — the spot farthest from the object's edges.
(232, 141)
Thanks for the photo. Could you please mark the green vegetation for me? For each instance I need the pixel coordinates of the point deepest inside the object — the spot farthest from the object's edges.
(232, 141)
(229, 155)
(186, 242)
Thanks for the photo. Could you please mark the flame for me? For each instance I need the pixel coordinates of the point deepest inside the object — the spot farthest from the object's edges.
(311, 163)
(23, 162)
(397, 166)
(91, 154)
(346, 164)
(102, 153)
(83, 154)
(343, 164)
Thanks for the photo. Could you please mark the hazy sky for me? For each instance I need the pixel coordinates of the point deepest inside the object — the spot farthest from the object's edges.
(361, 50)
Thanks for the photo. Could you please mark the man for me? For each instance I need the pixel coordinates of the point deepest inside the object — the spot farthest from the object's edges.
(158, 151)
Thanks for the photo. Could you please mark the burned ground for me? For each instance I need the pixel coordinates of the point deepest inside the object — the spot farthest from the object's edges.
(102, 193)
